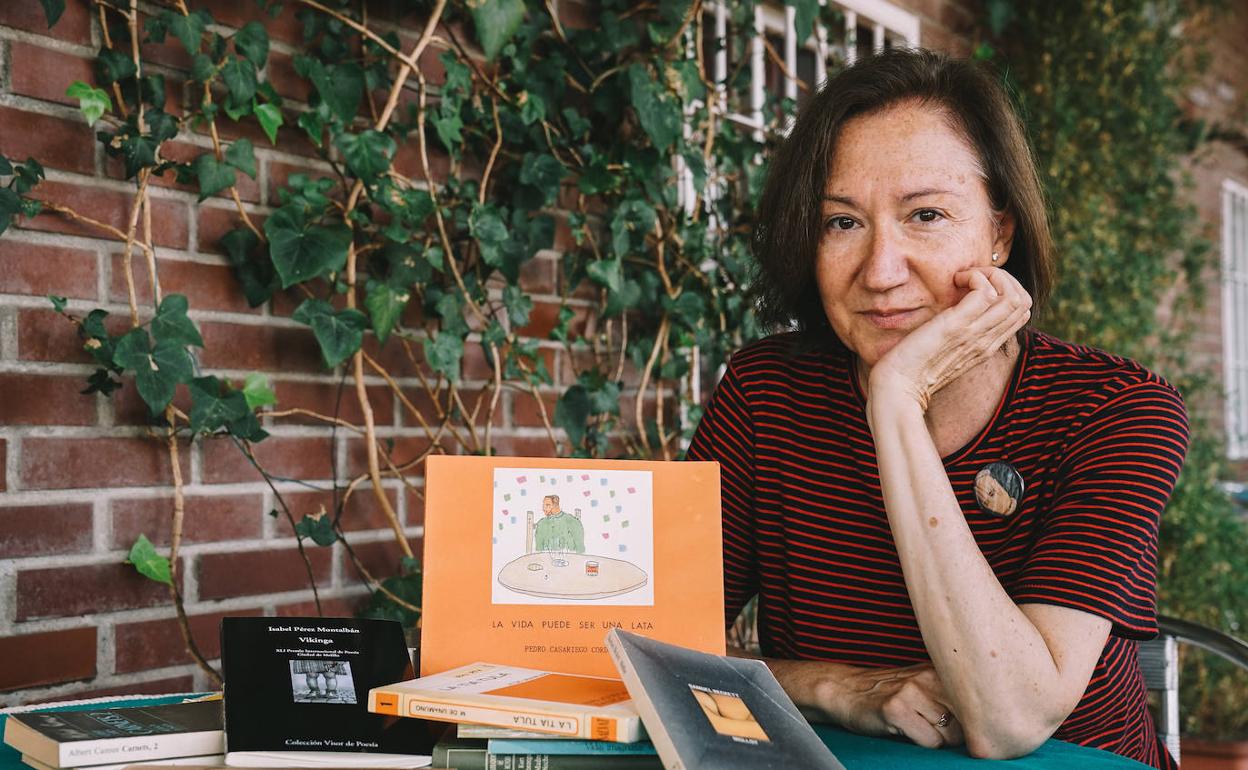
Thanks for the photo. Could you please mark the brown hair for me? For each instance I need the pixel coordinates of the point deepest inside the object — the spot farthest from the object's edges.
(786, 236)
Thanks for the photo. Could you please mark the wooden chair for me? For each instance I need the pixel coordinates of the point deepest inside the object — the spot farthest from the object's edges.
(1159, 659)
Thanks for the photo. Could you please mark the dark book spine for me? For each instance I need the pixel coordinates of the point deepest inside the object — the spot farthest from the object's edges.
(459, 757)
(565, 762)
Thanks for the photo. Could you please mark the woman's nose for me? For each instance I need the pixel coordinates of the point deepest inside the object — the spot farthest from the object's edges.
(886, 264)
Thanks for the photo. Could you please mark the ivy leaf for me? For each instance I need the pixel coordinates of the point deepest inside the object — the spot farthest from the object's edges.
(491, 233)
(113, 66)
(92, 102)
(532, 109)
(319, 527)
(239, 76)
(339, 333)
(519, 305)
(301, 251)
(385, 304)
(213, 175)
(58, 302)
(52, 10)
(212, 410)
(148, 562)
(101, 382)
(448, 128)
(543, 172)
(157, 372)
(607, 272)
(270, 118)
(341, 87)
(10, 206)
(172, 325)
(496, 21)
(806, 13)
(368, 153)
(256, 276)
(444, 353)
(242, 156)
(258, 391)
(252, 42)
(572, 412)
(656, 109)
(6, 167)
(189, 29)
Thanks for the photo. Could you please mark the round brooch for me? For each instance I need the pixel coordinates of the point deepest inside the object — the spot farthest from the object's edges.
(998, 489)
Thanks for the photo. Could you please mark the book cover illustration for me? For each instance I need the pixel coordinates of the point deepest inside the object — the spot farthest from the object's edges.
(528, 562)
(301, 685)
(573, 537)
(712, 712)
(567, 705)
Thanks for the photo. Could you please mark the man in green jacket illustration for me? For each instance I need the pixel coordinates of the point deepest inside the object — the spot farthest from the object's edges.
(558, 530)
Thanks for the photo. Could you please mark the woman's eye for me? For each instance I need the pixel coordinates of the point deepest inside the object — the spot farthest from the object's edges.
(927, 215)
(840, 223)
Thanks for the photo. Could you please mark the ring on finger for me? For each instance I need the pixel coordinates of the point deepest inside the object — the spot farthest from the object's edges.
(944, 719)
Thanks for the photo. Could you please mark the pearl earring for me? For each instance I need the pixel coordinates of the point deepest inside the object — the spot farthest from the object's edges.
(995, 257)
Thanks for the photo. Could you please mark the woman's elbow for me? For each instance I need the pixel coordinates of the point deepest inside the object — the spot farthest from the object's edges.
(1006, 738)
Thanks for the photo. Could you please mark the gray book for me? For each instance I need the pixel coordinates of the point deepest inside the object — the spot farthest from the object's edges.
(711, 712)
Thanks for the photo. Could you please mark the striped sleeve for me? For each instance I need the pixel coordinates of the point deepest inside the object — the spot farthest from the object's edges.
(726, 435)
(1097, 548)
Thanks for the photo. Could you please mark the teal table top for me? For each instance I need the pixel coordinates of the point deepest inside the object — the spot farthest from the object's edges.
(856, 752)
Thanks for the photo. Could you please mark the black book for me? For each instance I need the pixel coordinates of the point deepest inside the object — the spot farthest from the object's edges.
(296, 694)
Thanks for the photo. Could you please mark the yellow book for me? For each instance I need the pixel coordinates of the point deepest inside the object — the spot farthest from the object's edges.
(573, 706)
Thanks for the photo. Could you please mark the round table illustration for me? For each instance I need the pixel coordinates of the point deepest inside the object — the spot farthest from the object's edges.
(581, 576)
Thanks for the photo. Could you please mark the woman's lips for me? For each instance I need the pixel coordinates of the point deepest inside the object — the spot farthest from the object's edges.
(892, 319)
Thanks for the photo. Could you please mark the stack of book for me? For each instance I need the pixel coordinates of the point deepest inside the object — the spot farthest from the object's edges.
(674, 708)
(103, 738)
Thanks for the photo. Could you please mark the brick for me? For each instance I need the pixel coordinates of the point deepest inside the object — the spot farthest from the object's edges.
(524, 411)
(207, 286)
(537, 275)
(34, 399)
(328, 399)
(43, 73)
(251, 573)
(80, 463)
(331, 607)
(404, 450)
(43, 335)
(4, 475)
(263, 348)
(305, 458)
(152, 687)
(477, 364)
(231, 13)
(282, 75)
(51, 657)
(129, 408)
(56, 143)
(216, 221)
(183, 152)
(169, 218)
(542, 319)
(407, 159)
(57, 592)
(206, 518)
(382, 559)
(74, 26)
(362, 511)
(36, 269)
(158, 643)
(415, 508)
(45, 530)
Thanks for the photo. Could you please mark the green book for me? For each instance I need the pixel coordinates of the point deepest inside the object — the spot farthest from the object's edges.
(469, 754)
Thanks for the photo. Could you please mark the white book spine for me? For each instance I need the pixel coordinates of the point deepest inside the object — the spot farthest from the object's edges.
(139, 748)
(654, 725)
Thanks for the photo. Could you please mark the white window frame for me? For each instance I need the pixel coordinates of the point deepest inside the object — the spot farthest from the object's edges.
(1235, 316)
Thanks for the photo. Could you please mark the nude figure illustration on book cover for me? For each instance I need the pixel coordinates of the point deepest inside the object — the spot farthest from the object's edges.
(572, 537)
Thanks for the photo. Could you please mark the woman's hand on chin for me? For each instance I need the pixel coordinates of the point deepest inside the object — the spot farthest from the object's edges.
(909, 702)
(956, 340)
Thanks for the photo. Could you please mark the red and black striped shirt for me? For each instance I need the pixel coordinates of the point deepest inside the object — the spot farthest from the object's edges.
(1098, 439)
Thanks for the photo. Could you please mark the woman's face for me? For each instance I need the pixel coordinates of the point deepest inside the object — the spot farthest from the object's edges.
(906, 207)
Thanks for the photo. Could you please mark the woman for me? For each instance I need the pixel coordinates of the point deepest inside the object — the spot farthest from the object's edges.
(950, 519)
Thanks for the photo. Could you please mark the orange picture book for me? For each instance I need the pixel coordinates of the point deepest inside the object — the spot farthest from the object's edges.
(531, 561)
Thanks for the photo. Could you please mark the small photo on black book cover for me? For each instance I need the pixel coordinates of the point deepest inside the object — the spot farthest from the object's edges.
(301, 685)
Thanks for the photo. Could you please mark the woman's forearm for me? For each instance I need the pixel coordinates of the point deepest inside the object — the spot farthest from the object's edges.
(1006, 688)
